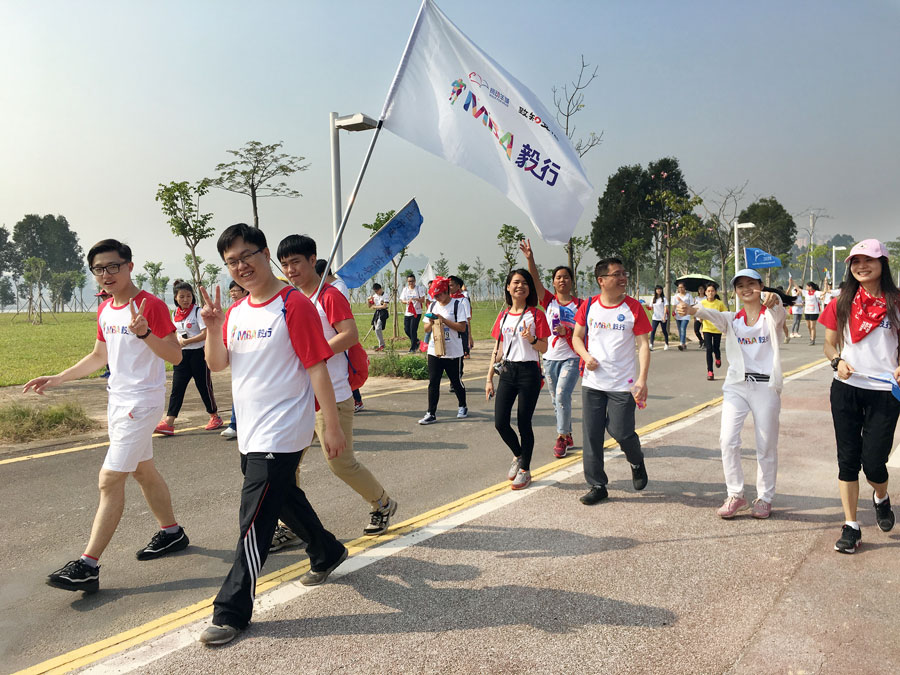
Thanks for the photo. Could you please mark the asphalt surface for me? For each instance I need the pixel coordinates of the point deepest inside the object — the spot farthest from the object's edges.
(628, 588)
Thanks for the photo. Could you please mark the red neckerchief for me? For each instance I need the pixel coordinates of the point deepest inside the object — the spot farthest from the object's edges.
(458, 294)
(866, 312)
(182, 314)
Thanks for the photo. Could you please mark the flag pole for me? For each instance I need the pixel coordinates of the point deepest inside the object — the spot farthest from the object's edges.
(362, 171)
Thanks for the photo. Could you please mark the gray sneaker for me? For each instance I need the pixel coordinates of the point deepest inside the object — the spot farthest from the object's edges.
(380, 519)
(218, 635)
(428, 419)
(513, 469)
(462, 413)
(313, 578)
(522, 480)
(283, 538)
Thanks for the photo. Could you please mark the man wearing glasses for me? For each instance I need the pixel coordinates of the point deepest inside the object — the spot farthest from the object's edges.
(606, 330)
(414, 296)
(135, 336)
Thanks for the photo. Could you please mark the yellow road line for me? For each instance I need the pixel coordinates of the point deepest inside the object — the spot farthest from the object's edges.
(117, 643)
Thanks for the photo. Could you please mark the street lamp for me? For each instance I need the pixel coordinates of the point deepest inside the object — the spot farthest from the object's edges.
(354, 122)
(834, 278)
(738, 226)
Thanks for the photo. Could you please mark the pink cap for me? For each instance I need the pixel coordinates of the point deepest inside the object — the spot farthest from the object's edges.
(869, 247)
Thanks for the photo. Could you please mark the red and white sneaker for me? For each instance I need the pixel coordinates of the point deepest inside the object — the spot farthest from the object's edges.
(761, 509)
(215, 422)
(522, 480)
(569, 442)
(559, 450)
(165, 429)
(732, 506)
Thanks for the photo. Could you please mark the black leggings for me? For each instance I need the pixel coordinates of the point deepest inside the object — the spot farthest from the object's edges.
(522, 379)
(192, 366)
(699, 333)
(713, 343)
(437, 366)
(665, 327)
(411, 328)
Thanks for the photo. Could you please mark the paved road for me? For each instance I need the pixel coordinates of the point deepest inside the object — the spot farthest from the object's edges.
(49, 502)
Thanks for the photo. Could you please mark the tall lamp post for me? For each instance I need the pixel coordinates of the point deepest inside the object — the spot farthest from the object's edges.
(834, 277)
(738, 226)
(354, 122)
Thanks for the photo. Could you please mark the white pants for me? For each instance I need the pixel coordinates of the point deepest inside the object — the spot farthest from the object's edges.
(765, 404)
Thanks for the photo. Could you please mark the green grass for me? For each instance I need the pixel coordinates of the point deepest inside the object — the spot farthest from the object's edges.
(394, 364)
(20, 423)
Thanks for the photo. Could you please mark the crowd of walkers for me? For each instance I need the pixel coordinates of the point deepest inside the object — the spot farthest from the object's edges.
(301, 338)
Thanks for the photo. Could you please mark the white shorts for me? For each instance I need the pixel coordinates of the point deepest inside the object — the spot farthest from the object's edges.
(130, 436)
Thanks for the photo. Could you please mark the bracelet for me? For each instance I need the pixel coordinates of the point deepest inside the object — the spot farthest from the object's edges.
(534, 342)
(145, 335)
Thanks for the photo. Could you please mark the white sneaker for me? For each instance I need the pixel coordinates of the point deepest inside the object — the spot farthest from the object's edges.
(513, 470)
(666, 348)
(651, 348)
(428, 419)
(462, 413)
(522, 480)
(228, 432)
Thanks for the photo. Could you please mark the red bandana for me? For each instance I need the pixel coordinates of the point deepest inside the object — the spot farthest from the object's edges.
(182, 314)
(866, 313)
(458, 294)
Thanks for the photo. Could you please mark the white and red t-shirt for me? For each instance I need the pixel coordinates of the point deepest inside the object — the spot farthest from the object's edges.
(188, 324)
(270, 346)
(333, 308)
(410, 298)
(560, 348)
(137, 375)
(509, 328)
(755, 342)
(610, 340)
(812, 301)
(453, 346)
(875, 354)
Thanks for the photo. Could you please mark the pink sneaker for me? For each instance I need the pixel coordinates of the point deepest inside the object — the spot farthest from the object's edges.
(761, 509)
(559, 450)
(215, 422)
(731, 507)
(165, 429)
(569, 441)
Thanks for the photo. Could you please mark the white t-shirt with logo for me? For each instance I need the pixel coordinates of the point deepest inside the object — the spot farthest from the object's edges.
(812, 302)
(137, 375)
(755, 342)
(509, 328)
(270, 346)
(560, 348)
(190, 326)
(453, 347)
(875, 354)
(408, 295)
(611, 333)
(659, 309)
(333, 308)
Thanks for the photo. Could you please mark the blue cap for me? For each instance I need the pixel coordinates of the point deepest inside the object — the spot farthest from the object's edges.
(746, 272)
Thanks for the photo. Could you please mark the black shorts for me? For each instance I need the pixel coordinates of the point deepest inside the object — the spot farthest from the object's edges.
(811, 317)
(864, 424)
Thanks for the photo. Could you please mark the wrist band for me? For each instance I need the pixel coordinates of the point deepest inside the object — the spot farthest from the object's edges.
(145, 335)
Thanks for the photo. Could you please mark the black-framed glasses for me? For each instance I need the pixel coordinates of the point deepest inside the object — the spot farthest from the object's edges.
(112, 268)
(616, 275)
(232, 264)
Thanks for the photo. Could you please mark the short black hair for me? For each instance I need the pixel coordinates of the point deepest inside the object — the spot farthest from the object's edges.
(107, 245)
(602, 266)
(376, 287)
(411, 276)
(320, 267)
(252, 235)
(456, 280)
(296, 244)
(532, 299)
(235, 284)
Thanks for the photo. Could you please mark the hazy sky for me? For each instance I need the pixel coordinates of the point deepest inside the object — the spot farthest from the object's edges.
(101, 101)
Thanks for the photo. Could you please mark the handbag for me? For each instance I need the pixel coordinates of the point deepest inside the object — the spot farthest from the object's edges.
(500, 366)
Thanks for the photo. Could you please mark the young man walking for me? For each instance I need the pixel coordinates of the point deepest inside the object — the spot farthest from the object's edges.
(273, 342)
(606, 330)
(414, 296)
(297, 255)
(135, 336)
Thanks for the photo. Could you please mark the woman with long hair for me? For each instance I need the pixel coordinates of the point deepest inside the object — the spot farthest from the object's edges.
(521, 332)
(682, 297)
(660, 306)
(191, 332)
(861, 340)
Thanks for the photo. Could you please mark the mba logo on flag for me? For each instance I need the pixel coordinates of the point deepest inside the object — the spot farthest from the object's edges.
(757, 259)
(453, 100)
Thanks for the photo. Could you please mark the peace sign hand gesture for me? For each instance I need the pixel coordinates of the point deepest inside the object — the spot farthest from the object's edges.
(525, 247)
(212, 313)
(138, 325)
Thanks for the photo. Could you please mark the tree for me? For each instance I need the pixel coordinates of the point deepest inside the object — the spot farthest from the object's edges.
(139, 280)
(33, 271)
(441, 266)
(569, 100)
(721, 213)
(576, 249)
(254, 171)
(181, 203)
(382, 219)
(211, 274)
(477, 273)
(508, 240)
(775, 230)
(674, 221)
(49, 238)
(7, 294)
(157, 283)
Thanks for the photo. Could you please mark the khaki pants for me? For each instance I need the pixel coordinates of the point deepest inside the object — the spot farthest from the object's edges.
(346, 467)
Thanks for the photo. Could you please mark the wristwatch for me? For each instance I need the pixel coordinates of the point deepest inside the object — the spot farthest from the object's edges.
(534, 342)
(835, 361)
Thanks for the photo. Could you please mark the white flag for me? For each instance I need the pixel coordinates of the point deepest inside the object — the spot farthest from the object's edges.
(455, 101)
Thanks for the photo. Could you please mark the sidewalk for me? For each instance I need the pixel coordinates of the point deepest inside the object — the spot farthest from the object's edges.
(649, 582)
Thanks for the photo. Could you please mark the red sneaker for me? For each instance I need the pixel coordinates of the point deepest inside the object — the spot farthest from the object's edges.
(709, 375)
(215, 422)
(165, 429)
(718, 363)
(559, 450)
(569, 442)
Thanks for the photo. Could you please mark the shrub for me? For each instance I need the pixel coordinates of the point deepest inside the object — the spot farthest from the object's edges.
(20, 423)
(392, 364)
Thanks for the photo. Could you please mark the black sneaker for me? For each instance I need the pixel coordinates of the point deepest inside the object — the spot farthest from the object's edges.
(313, 578)
(849, 541)
(380, 519)
(639, 476)
(164, 543)
(884, 516)
(594, 496)
(76, 575)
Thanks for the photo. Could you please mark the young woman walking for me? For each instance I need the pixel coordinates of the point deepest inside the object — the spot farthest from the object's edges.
(660, 316)
(682, 297)
(521, 332)
(752, 385)
(812, 307)
(861, 329)
(191, 332)
(712, 336)
(560, 359)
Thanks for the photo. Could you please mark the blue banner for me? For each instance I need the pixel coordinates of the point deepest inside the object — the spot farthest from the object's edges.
(757, 259)
(396, 235)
